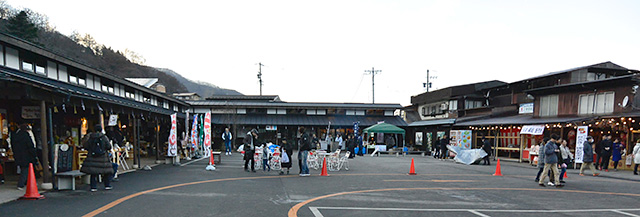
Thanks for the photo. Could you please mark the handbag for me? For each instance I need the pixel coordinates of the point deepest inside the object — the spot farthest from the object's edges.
(285, 157)
(629, 160)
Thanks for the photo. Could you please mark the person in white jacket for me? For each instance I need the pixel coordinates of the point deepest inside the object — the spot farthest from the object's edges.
(636, 157)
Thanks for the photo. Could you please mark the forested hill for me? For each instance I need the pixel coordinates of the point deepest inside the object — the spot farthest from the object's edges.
(35, 27)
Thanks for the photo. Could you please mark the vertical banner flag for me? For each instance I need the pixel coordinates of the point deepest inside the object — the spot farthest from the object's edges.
(173, 137)
(194, 133)
(356, 128)
(581, 137)
(207, 134)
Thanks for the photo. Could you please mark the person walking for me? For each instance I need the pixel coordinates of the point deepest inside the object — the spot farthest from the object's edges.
(305, 147)
(360, 144)
(97, 161)
(351, 146)
(486, 146)
(328, 139)
(265, 158)
(541, 159)
(227, 138)
(607, 149)
(443, 147)
(24, 153)
(566, 157)
(340, 141)
(636, 157)
(287, 152)
(587, 158)
(436, 146)
(616, 153)
(551, 161)
(250, 140)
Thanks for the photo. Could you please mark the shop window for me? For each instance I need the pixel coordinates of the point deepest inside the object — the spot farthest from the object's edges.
(62, 73)
(1, 55)
(549, 105)
(27, 66)
(40, 70)
(453, 105)
(602, 104)
(73, 79)
(52, 70)
(12, 58)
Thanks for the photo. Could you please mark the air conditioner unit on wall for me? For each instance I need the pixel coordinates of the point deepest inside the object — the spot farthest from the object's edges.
(444, 107)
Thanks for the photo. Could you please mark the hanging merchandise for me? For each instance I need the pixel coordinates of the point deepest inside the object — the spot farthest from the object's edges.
(207, 134)
(173, 138)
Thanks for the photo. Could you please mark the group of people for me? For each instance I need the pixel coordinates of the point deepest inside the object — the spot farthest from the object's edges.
(439, 149)
(251, 141)
(553, 153)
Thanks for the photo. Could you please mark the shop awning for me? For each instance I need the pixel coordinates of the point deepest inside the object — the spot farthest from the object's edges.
(520, 120)
(383, 128)
(448, 121)
(302, 120)
(80, 92)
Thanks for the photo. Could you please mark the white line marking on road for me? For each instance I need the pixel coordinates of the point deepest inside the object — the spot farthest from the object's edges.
(478, 213)
(316, 212)
(193, 161)
(625, 213)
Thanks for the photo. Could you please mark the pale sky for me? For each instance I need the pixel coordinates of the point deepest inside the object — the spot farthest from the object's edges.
(317, 51)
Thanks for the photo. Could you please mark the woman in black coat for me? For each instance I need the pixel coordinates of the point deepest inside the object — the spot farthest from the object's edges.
(98, 164)
(24, 152)
(286, 148)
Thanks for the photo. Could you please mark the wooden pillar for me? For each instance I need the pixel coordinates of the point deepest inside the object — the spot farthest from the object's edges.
(136, 147)
(47, 182)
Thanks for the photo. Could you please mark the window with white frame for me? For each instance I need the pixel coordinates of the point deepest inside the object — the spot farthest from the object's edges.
(549, 105)
(453, 105)
(40, 70)
(27, 66)
(282, 111)
(471, 104)
(52, 70)
(12, 58)
(272, 111)
(601, 103)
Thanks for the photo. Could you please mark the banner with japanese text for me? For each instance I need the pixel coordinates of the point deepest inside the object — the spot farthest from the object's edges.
(581, 137)
(194, 133)
(207, 134)
(173, 137)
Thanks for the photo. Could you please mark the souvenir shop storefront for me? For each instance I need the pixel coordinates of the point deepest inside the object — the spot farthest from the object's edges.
(511, 142)
(61, 114)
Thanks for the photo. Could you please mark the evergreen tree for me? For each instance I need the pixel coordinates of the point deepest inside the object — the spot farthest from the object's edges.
(20, 26)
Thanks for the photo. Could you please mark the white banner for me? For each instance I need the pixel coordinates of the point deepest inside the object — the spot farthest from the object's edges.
(173, 138)
(581, 137)
(532, 129)
(207, 134)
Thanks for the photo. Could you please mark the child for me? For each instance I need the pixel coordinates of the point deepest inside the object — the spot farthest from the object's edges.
(265, 158)
(285, 151)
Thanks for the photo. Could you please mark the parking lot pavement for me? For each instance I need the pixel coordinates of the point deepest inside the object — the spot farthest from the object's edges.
(374, 186)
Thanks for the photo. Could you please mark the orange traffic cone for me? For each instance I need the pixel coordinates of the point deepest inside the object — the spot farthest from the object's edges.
(498, 171)
(412, 170)
(32, 186)
(324, 168)
(212, 163)
(565, 175)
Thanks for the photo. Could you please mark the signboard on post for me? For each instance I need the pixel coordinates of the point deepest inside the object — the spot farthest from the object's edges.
(173, 137)
(532, 129)
(461, 138)
(526, 108)
(207, 134)
(581, 137)
(30, 112)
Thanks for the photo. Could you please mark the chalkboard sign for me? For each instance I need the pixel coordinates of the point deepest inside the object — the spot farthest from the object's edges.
(65, 158)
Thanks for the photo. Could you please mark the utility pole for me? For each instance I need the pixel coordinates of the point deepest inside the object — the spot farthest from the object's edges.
(428, 84)
(260, 76)
(373, 73)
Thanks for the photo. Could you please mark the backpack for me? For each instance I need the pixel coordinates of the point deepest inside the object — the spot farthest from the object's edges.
(96, 147)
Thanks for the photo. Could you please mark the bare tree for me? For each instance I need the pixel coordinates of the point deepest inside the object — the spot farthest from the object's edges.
(40, 20)
(134, 57)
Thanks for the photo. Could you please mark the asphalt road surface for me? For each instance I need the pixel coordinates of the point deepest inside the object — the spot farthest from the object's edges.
(374, 186)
